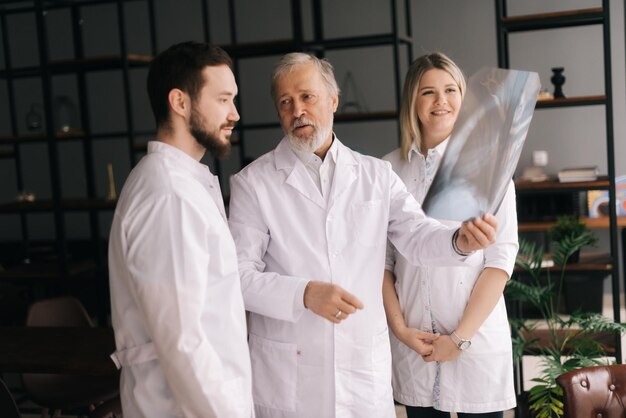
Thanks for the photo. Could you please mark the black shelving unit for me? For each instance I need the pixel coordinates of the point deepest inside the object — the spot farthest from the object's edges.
(319, 45)
(13, 146)
(566, 19)
(62, 269)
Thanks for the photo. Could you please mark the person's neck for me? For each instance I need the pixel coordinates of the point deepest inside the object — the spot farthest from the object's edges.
(183, 140)
(432, 141)
(323, 150)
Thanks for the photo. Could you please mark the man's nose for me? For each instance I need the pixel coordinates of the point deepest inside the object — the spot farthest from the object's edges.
(298, 109)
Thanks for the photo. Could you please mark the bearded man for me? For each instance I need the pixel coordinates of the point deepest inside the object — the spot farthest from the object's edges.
(176, 302)
(311, 221)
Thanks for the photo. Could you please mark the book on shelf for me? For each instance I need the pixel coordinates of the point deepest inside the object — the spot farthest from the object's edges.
(569, 175)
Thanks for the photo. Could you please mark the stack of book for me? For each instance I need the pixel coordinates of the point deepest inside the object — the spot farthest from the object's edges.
(569, 175)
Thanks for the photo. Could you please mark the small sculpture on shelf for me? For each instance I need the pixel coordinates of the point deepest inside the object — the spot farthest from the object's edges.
(65, 115)
(25, 196)
(33, 118)
(112, 193)
(558, 79)
(353, 100)
(536, 172)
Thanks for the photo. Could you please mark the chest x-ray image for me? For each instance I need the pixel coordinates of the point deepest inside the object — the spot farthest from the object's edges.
(485, 145)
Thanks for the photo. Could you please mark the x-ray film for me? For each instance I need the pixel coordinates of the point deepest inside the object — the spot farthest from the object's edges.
(485, 145)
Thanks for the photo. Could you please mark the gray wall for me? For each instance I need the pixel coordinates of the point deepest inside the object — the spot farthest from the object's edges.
(464, 29)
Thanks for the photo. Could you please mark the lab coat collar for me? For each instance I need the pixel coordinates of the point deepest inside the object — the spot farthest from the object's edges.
(439, 149)
(298, 178)
(345, 170)
(181, 157)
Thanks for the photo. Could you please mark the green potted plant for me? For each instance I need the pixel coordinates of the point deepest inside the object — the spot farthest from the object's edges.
(571, 226)
(567, 343)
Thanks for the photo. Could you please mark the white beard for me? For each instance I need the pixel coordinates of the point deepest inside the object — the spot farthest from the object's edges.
(308, 144)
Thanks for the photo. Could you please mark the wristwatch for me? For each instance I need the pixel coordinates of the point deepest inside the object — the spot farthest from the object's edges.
(461, 344)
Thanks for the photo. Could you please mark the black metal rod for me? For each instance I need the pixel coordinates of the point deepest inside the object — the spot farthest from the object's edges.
(396, 55)
(151, 20)
(610, 150)
(206, 29)
(296, 23)
(130, 125)
(53, 154)
(409, 29)
(318, 22)
(502, 35)
(79, 53)
(15, 131)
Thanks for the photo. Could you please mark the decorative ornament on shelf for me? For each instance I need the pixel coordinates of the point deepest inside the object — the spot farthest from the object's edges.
(33, 118)
(353, 100)
(544, 94)
(65, 115)
(558, 79)
(25, 196)
(536, 172)
(112, 193)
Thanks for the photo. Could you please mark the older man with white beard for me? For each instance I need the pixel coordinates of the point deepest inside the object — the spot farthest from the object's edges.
(311, 220)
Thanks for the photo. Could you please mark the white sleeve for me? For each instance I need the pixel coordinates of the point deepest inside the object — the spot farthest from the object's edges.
(420, 239)
(502, 253)
(168, 258)
(265, 293)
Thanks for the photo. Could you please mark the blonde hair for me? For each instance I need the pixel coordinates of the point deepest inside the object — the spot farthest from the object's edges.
(409, 122)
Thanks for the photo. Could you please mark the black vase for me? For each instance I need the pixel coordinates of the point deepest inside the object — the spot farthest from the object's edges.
(558, 79)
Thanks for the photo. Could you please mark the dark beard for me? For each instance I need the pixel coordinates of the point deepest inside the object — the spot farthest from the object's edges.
(209, 140)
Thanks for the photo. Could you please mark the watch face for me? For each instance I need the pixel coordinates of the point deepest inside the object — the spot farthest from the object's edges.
(464, 345)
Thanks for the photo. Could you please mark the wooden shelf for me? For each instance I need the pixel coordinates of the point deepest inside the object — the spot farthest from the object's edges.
(568, 18)
(66, 205)
(366, 116)
(48, 271)
(283, 46)
(6, 154)
(84, 64)
(589, 262)
(592, 223)
(41, 137)
(571, 101)
(553, 184)
(339, 118)
(544, 339)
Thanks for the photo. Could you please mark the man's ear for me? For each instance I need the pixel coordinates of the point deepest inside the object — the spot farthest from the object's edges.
(179, 102)
(335, 101)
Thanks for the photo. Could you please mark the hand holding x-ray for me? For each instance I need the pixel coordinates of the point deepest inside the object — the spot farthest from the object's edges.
(485, 145)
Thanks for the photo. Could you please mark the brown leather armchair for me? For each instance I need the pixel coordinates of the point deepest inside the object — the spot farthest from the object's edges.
(594, 392)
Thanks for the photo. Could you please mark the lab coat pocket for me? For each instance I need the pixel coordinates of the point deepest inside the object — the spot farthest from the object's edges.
(364, 370)
(368, 223)
(274, 373)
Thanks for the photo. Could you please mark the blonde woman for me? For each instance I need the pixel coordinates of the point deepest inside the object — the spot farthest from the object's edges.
(450, 337)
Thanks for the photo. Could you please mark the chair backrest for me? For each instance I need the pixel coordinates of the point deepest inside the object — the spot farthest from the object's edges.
(58, 312)
(108, 409)
(594, 391)
(64, 391)
(8, 408)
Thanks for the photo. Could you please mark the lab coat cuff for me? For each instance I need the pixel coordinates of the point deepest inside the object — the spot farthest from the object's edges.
(456, 248)
(298, 299)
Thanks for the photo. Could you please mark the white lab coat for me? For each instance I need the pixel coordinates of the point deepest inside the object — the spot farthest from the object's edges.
(434, 299)
(176, 302)
(303, 366)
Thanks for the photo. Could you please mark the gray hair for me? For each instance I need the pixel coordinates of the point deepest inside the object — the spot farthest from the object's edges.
(295, 59)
